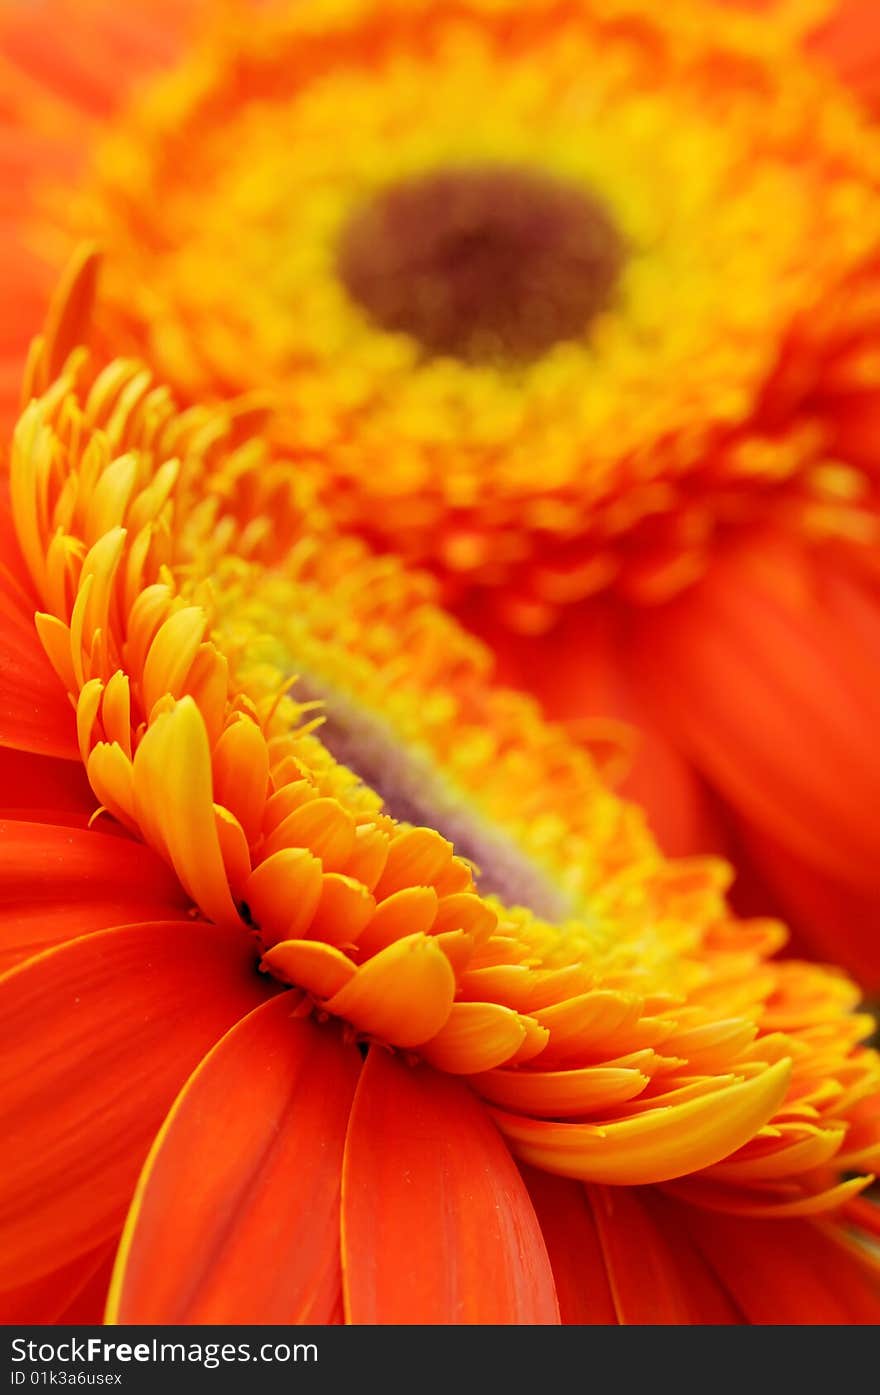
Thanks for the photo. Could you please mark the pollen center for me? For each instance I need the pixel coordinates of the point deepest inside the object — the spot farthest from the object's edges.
(414, 791)
(482, 264)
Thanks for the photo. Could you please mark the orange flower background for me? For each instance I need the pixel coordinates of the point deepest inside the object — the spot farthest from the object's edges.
(238, 734)
(675, 1095)
(668, 516)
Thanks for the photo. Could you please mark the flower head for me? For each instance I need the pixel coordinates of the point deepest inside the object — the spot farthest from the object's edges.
(577, 349)
(586, 350)
(547, 988)
(587, 327)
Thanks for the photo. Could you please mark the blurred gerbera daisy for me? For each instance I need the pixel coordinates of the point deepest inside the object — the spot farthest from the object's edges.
(602, 351)
(539, 1073)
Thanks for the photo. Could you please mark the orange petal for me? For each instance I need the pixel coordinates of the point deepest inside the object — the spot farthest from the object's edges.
(657, 1145)
(46, 1299)
(87, 1308)
(656, 1277)
(572, 1241)
(768, 632)
(58, 883)
(43, 788)
(578, 671)
(236, 1215)
(403, 995)
(832, 920)
(35, 714)
(70, 308)
(122, 1017)
(785, 1272)
(849, 39)
(437, 1226)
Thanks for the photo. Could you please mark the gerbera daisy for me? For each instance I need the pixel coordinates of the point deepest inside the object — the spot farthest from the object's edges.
(537, 1074)
(601, 352)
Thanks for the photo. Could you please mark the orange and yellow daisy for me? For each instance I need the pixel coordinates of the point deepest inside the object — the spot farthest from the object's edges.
(497, 1079)
(601, 352)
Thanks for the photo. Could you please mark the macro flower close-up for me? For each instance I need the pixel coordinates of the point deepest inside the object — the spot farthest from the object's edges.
(264, 1022)
(439, 663)
(601, 352)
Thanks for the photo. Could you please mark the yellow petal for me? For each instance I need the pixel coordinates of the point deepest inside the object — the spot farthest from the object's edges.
(322, 826)
(109, 500)
(475, 1037)
(86, 715)
(171, 654)
(241, 774)
(743, 1203)
(402, 995)
(561, 1093)
(318, 968)
(175, 807)
(416, 857)
(233, 849)
(283, 893)
(343, 910)
(408, 912)
(657, 1145)
(111, 776)
(116, 711)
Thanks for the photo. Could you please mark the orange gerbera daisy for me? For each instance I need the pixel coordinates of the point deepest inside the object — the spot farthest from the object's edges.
(562, 1083)
(602, 352)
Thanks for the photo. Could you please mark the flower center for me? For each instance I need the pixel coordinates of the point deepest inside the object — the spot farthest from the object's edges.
(482, 264)
(414, 791)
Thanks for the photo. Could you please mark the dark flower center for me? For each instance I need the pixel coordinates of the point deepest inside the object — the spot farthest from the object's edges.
(414, 791)
(483, 264)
